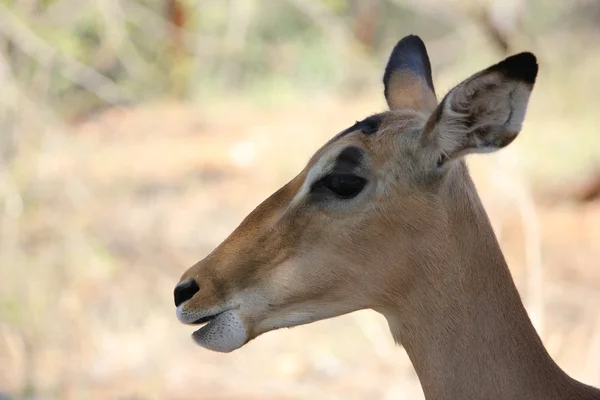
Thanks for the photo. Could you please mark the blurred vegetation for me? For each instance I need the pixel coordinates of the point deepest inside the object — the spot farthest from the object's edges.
(63, 62)
(76, 56)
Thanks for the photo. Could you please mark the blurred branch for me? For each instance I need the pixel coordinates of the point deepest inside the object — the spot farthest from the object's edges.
(236, 34)
(13, 97)
(590, 190)
(238, 21)
(502, 22)
(117, 37)
(444, 15)
(63, 12)
(366, 18)
(140, 12)
(593, 360)
(177, 16)
(376, 332)
(333, 26)
(340, 35)
(584, 189)
(464, 28)
(161, 26)
(507, 177)
(48, 57)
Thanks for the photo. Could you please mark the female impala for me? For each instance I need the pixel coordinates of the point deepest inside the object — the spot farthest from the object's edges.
(385, 216)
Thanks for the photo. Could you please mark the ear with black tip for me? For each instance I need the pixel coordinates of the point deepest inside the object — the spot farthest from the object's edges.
(485, 112)
(407, 80)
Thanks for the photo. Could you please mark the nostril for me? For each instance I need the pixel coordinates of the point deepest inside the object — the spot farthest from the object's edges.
(185, 291)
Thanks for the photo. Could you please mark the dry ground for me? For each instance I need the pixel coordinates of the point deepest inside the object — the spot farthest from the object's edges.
(133, 197)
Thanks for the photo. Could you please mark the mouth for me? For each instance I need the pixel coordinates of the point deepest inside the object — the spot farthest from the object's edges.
(207, 319)
(221, 329)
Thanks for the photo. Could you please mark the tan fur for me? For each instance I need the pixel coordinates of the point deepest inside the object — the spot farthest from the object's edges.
(415, 245)
(415, 94)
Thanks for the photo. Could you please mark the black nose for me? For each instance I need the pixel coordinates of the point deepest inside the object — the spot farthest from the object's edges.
(185, 291)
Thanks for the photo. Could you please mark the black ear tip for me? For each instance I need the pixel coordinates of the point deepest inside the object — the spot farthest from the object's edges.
(411, 41)
(411, 38)
(522, 66)
(409, 53)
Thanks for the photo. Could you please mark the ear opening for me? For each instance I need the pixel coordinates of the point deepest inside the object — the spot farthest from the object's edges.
(485, 112)
(407, 80)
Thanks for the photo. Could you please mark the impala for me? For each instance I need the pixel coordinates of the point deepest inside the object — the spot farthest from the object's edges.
(386, 217)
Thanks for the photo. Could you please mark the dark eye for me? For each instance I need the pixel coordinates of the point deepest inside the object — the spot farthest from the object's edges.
(344, 186)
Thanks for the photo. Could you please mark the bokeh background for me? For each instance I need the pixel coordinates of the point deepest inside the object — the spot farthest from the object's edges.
(136, 134)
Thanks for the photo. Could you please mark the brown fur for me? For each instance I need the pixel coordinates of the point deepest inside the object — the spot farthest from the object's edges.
(415, 95)
(416, 245)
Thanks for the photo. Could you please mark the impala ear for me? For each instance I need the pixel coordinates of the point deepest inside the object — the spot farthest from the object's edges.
(485, 112)
(407, 80)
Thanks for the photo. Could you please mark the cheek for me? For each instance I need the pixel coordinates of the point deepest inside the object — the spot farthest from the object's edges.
(302, 279)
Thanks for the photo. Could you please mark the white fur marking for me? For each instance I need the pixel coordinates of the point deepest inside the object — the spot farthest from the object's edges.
(320, 169)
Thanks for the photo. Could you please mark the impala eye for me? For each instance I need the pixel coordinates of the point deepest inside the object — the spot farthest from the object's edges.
(344, 186)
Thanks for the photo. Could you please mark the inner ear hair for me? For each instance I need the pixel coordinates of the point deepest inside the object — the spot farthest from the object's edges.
(485, 112)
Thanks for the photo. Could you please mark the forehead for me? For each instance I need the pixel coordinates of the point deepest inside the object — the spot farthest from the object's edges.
(378, 136)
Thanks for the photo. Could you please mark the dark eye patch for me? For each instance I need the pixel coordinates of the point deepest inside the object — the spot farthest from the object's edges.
(342, 181)
(368, 126)
(348, 159)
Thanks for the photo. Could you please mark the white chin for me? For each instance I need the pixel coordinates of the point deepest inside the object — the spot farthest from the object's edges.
(225, 333)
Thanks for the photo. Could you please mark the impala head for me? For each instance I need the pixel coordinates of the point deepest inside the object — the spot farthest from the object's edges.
(364, 224)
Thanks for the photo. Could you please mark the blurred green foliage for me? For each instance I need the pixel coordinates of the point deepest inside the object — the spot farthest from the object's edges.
(214, 47)
(227, 46)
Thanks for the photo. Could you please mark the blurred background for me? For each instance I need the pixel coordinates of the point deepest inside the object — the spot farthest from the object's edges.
(136, 134)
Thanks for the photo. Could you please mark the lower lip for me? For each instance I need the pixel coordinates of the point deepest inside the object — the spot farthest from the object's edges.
(224, 333)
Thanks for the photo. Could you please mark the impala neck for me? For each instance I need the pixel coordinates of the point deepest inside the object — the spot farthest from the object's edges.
(470, 337)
